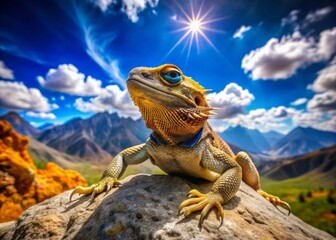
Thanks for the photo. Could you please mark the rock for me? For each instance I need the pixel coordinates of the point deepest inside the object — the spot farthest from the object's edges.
(21, 183)
(145, 207)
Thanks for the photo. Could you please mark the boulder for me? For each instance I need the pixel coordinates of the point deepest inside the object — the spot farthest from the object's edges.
(145, 207)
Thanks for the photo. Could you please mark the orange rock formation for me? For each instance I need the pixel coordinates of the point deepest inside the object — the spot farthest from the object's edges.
(21, 183)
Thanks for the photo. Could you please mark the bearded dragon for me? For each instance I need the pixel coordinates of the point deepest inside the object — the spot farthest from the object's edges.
(182, 142)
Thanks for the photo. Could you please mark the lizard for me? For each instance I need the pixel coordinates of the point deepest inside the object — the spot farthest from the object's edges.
(182, 142)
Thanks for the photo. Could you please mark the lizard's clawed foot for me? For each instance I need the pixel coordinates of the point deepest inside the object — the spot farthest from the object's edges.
(203, 201)
(104, 184)
(276, 201)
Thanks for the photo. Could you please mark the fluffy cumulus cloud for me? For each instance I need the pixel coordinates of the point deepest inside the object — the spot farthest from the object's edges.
(16, 96)
(265, 119)
(279, 118)
(281, 58)
(327, 43)
(240, 31)
(111, 99)
(67, 79)
(323, 102)
(42, 115)
(5, 72)
(318, 120)
(131, 8)
(230, 101)
(326, 79)
(325, 87)
(104, 4)
(327, 125)
(299, 102)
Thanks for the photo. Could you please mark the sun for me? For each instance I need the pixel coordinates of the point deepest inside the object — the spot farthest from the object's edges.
(195, 25)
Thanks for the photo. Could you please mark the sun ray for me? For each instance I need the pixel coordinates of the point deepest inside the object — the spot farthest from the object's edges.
(194, 25)
(209, 41)
(179, 41)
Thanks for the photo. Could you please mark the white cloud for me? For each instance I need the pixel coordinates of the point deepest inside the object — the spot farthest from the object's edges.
(317, 15)
(327, 43)
(133, 7)
(318, 120)
(230, 101)
(325, 87)
(41, 115)
(281, 58)
(322, 102)
(265, 119)
(15, 95)
(104, 4)
(97, 44)
(111, 99)
(327, 125)
(240, 32)
(67, 79)
(299, 101)
(130, 7)
(279, 118)
(5, 72)
(292, 18)
(326, 79)
(312, 17)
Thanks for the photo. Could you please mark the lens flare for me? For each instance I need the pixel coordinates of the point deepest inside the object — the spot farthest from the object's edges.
(195, 25)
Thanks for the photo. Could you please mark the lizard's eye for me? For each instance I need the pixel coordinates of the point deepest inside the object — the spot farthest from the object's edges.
(172, 77)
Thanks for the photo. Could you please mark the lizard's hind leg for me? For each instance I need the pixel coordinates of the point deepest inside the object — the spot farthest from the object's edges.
(251, 178)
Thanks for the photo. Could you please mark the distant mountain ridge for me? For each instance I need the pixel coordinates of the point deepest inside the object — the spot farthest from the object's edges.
(250, 139)
(45, 126)
(98, 137)
(297, 142)
(303, 140)
(319, 165)
(19, 124)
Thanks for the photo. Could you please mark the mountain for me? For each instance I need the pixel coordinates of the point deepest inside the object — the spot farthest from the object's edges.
(273, 137)
(301, 141)
(250, 139)
(95, 138)
(19, 124)
(319, 165)
(46, 126)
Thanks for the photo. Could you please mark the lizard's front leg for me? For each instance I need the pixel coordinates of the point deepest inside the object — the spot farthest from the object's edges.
(224, 188)
(129, 156)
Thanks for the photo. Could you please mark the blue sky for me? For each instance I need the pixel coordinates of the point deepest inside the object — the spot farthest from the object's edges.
(271, 64)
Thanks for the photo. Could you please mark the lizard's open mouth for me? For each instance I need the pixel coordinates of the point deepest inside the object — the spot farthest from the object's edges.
(152, 87)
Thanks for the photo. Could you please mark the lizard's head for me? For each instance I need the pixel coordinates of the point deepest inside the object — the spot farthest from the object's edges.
(170, 103)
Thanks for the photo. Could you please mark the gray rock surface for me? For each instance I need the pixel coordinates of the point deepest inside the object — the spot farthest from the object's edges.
(145, 207)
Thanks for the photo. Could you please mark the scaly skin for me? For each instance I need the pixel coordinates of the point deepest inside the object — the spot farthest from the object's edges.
(175, 108)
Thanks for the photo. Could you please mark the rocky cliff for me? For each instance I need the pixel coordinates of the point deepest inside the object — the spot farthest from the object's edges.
(145, 207)
(21, 183)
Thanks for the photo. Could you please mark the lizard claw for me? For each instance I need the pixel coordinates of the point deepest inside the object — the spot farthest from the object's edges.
(104, 184)
(204, 202)
(276, 201)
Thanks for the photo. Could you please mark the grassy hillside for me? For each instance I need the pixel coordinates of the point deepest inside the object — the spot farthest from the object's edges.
(311, 200)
